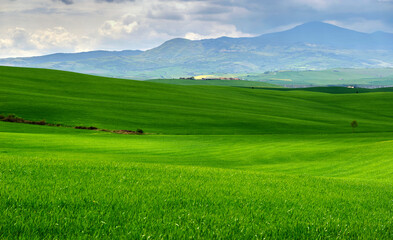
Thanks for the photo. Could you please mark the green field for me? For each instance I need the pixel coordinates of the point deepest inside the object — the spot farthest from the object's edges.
(232, 83)
(339, 76)
(366, 77)
(218, 162)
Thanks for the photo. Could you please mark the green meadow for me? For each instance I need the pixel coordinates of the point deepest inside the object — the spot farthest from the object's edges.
(339, 76)
(216, 162)
(233, 83)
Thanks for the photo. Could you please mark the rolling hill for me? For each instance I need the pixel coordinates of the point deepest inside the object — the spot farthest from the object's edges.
(76, 99)
(363, 77)
(314, 45)
(233, 83)
(217, 162)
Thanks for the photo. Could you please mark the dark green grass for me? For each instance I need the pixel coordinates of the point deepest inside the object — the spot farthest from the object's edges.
(75, 99)
(335, 90)
(223, 162)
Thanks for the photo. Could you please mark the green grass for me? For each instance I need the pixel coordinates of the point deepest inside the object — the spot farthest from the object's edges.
(222, 162)
(340, 76)
(335, 90)
(81, 100)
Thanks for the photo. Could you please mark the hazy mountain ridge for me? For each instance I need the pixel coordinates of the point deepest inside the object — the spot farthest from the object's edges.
(313, 45)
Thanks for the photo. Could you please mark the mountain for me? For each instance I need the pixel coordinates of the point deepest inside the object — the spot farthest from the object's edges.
(313, 45)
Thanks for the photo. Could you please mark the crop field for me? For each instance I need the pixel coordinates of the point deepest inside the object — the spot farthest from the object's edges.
(339, 76)
(233, 83)
(216, 162)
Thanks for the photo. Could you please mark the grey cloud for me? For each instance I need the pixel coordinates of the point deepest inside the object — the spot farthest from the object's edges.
(67, 2)
(207, 10)
(165, 15)
(115, 1)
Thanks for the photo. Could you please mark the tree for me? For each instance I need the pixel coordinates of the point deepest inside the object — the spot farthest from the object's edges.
(354, 124)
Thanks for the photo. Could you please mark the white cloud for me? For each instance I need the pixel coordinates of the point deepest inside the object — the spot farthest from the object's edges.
(217, 31)
(21, 41)
(5, 43)
(116, 29)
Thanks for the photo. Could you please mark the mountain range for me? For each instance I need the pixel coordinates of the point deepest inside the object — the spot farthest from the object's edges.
(313, 45)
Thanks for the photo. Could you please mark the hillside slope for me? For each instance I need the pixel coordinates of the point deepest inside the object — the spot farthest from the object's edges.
(286, 165)
(76, 99)
(232, 83)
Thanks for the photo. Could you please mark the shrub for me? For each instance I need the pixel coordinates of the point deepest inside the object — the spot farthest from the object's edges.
(139, 131)
(12, 118)
(42, 122)
(86, 128)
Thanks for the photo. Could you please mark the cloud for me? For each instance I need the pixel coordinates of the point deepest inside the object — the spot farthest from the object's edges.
(66, 2)
(216, 32)
(45, 40)
(362, 25)
(67, 25)
(117, 28)
(165, 15)
(115, 1)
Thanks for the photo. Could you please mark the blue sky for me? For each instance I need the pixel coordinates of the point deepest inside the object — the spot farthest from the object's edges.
(36, 27)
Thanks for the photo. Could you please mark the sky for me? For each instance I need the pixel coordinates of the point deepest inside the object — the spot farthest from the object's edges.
(37, 27)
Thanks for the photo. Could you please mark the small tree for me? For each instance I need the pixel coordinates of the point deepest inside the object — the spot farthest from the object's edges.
(354, 124)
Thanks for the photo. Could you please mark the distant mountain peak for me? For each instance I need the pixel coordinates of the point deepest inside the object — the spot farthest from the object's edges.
(319, 26)
(312, 45)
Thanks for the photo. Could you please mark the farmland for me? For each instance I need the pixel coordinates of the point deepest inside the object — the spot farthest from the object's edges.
(215, 162)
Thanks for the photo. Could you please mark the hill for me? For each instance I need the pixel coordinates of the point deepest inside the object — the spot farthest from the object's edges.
(365, 77)
(312, 45)
(77, 99)
(233, 83)
(217, 162)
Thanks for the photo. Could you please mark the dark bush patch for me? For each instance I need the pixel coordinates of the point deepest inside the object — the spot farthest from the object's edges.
(42, 122)
(124, 131)
(14, 118)
(87, 128)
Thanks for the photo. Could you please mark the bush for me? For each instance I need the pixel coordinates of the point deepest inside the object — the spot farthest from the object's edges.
(13, 118)
(139, 131)
(42, 122)
(86, 128)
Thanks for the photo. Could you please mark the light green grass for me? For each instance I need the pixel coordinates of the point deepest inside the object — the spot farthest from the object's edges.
(66, 183)
(222, 162)
(232, 83)
(340, 76)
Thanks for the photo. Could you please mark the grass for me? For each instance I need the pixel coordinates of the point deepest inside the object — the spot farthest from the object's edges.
(232, 83)
(82, 100)
(234, 177)
(340, 76)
